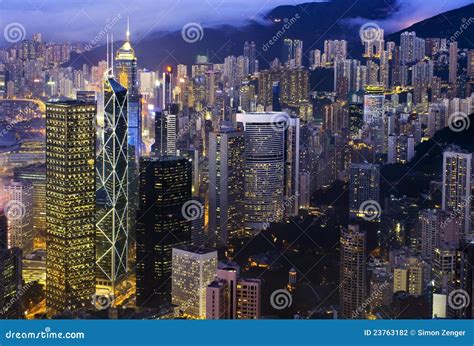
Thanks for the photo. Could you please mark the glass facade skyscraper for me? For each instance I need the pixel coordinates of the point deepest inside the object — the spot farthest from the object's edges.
(70, 205)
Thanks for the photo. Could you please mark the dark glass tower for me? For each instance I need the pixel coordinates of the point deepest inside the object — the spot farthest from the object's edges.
(165, 187)
(112, 190)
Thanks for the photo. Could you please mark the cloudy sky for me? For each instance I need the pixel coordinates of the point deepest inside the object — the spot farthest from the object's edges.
(79, 20)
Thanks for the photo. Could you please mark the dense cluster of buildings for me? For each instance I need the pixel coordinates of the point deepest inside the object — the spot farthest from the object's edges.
(137, 181)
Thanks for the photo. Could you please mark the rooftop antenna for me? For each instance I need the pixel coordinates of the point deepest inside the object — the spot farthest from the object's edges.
(112, 54)
(128, 29)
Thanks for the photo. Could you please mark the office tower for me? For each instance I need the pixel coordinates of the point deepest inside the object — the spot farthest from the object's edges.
(126, 73)
(453, 62)
(19, 212)
(456, 196)
(353, 272)
(70, 205)
(305, 190)
(10, 280)
(160, 147)
(171, 133)
(364, 191)
(36, 174)
(264, 167)
(373, 104)
(226, 184)
(193, 269)
(250, 53)
(298, 49)
(112, 189)
(162, 223)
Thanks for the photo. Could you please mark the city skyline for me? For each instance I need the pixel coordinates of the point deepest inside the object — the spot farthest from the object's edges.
(329, 178)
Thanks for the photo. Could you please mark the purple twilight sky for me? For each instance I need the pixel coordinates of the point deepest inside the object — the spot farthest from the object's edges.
(79, 20)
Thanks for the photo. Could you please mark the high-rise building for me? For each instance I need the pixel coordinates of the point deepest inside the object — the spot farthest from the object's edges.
(453, 62)
(456, 196)
(36, 174)
(353, 273)
(19, 212)
(226, 184)
(126, 73)
(112, 189)
(364, 187)
(70, 205)
(193, 269)
(373, 104)
(248, 297)
(163, 222)
(265, 173)
(10, 283)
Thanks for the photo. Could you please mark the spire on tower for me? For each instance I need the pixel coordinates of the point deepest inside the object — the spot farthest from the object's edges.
(128, 29)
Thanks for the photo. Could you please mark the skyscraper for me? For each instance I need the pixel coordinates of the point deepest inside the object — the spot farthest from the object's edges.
(193, 269)
(456, 196)
(264, 167)
(364, 188)
(126, 72)
(19, 209)
(70, 204)
(453, 62)
(353, 272)
(112, 193)
(162, 223)
(226, 184)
